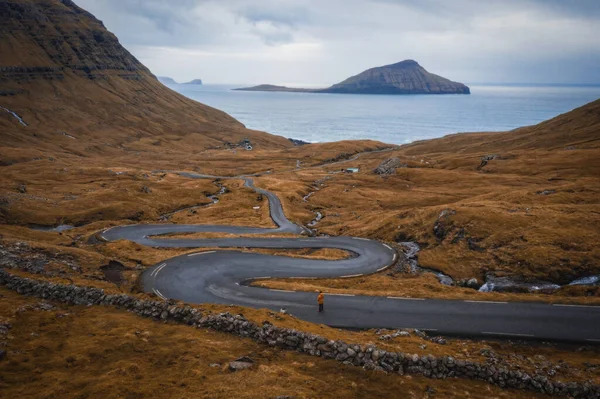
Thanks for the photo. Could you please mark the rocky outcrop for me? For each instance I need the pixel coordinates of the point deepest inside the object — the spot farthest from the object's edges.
(405, 77)
(368, 357)
(486, 159)
(389, 166)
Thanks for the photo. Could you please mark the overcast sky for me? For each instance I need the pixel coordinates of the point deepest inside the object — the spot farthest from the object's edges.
(321, 42)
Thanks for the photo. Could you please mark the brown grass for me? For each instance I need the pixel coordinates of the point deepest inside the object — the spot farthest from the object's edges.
(102, 352)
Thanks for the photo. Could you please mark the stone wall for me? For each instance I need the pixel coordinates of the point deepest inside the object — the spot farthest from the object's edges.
(367, 356)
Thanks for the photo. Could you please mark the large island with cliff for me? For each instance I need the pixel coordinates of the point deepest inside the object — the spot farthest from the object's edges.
(406, 77)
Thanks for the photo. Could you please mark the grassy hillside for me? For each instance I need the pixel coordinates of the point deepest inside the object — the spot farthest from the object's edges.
(81, 93)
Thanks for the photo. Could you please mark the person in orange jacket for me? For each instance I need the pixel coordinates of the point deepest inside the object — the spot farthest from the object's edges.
(320, 300)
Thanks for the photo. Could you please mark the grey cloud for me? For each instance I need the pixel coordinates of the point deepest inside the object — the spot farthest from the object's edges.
(323, 41)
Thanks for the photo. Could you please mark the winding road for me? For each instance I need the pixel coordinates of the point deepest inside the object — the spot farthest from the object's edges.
(223, 277)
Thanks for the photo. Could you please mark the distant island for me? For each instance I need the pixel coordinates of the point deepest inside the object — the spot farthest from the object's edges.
(166, 80)
(170, 81)
(406, 77)
(277, 88)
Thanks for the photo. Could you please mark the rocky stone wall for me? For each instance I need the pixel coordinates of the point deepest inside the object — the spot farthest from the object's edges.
(367, 356)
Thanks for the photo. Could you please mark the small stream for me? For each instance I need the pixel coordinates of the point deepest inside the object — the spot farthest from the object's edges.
(492, 283)
(411, 259)
(591, 280)
(506, 284)
(316, 220)
(57, 229)
(21, 121)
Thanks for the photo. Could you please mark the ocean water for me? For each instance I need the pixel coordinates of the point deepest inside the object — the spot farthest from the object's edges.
(391, 119)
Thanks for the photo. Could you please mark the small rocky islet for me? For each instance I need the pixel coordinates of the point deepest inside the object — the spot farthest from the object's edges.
(405, 77)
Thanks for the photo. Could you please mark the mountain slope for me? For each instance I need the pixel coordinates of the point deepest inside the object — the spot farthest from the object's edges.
(80, 92)
(576, 129)
(405, 77)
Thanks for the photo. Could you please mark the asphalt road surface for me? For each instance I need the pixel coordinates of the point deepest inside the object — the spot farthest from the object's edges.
(223, 277)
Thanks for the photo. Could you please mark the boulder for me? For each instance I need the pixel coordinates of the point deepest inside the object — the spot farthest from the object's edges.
(473, 283)
(237, 366)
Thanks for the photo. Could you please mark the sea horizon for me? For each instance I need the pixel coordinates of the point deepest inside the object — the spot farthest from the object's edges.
(393, 119)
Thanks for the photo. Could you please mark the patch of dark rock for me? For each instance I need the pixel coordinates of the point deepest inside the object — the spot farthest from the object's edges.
(22, 188)
(389, 166)
(32, 260)
(4, 327)
(137, 216)
(443, 224)
(113, 271)
(460, 235)
(146, 189)
(2, 354)
(486, 159)
(298, 142)
(473, 244)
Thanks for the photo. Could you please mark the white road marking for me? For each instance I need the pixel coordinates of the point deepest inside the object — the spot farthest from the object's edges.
(575, 306)
(262, 278)
(395, 256)
(513, 334)
(408, 299)
(351, 275)
(387, 246)
(280, 290)
(382, 268)
(159, 268)
(202, 253)
(503, 303)
(360, 238)
(342, 294)
(157, 292)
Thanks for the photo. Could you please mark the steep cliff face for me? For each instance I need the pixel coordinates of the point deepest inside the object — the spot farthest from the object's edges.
(406, 77)
(77, 90)
(66, 37)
